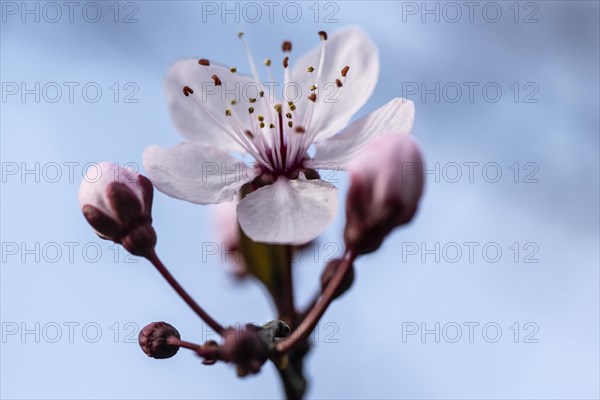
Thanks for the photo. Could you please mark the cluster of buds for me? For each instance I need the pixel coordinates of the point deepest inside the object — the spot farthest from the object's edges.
(118, 203)
(248, 348)
(386, 186)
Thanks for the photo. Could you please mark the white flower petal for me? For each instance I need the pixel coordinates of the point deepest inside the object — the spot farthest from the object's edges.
(398, 115)
(287, 211)
(335, 106)
(200, 117)
(199, 174)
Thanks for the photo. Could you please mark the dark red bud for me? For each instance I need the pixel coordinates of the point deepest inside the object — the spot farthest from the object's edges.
(245, 348)
(153, 340)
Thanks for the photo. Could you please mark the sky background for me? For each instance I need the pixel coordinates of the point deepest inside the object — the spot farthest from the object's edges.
(70, 321)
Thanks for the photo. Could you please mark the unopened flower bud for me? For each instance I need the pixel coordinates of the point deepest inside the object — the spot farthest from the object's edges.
(245, 348)
(117, 203)
(273, 330)
(154, 340)
(387, 183)
(211, 352)
(328, 273)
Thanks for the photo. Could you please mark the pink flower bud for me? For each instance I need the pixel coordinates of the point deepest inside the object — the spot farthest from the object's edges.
(387, 183)
(118, 203)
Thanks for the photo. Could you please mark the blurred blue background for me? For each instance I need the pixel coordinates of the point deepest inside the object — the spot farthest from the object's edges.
(70, 321)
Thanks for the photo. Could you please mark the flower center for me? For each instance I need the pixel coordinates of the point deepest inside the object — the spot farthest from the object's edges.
(277, 135)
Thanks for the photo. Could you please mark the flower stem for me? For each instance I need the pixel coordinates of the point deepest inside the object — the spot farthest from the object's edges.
(316, 312)
(153, 258)
(182, 343)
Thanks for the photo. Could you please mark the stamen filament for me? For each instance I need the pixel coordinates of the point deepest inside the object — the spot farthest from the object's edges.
(330, 107)
(250, 58)
(255, 151)
(311, 105)
(282, 143)
(218, 122)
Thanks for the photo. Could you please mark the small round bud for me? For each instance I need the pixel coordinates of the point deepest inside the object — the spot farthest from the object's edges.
(210, 351)
(328, 273)
(245, 348)
(387, 183)
(153, 340)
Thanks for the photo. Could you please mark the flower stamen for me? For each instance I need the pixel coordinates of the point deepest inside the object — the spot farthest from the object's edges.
(286, 46)
(239, 139)
(311, 106)
(280, 149)
(249, 56)
(216, 80)
(187, 91)
(345, 71)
